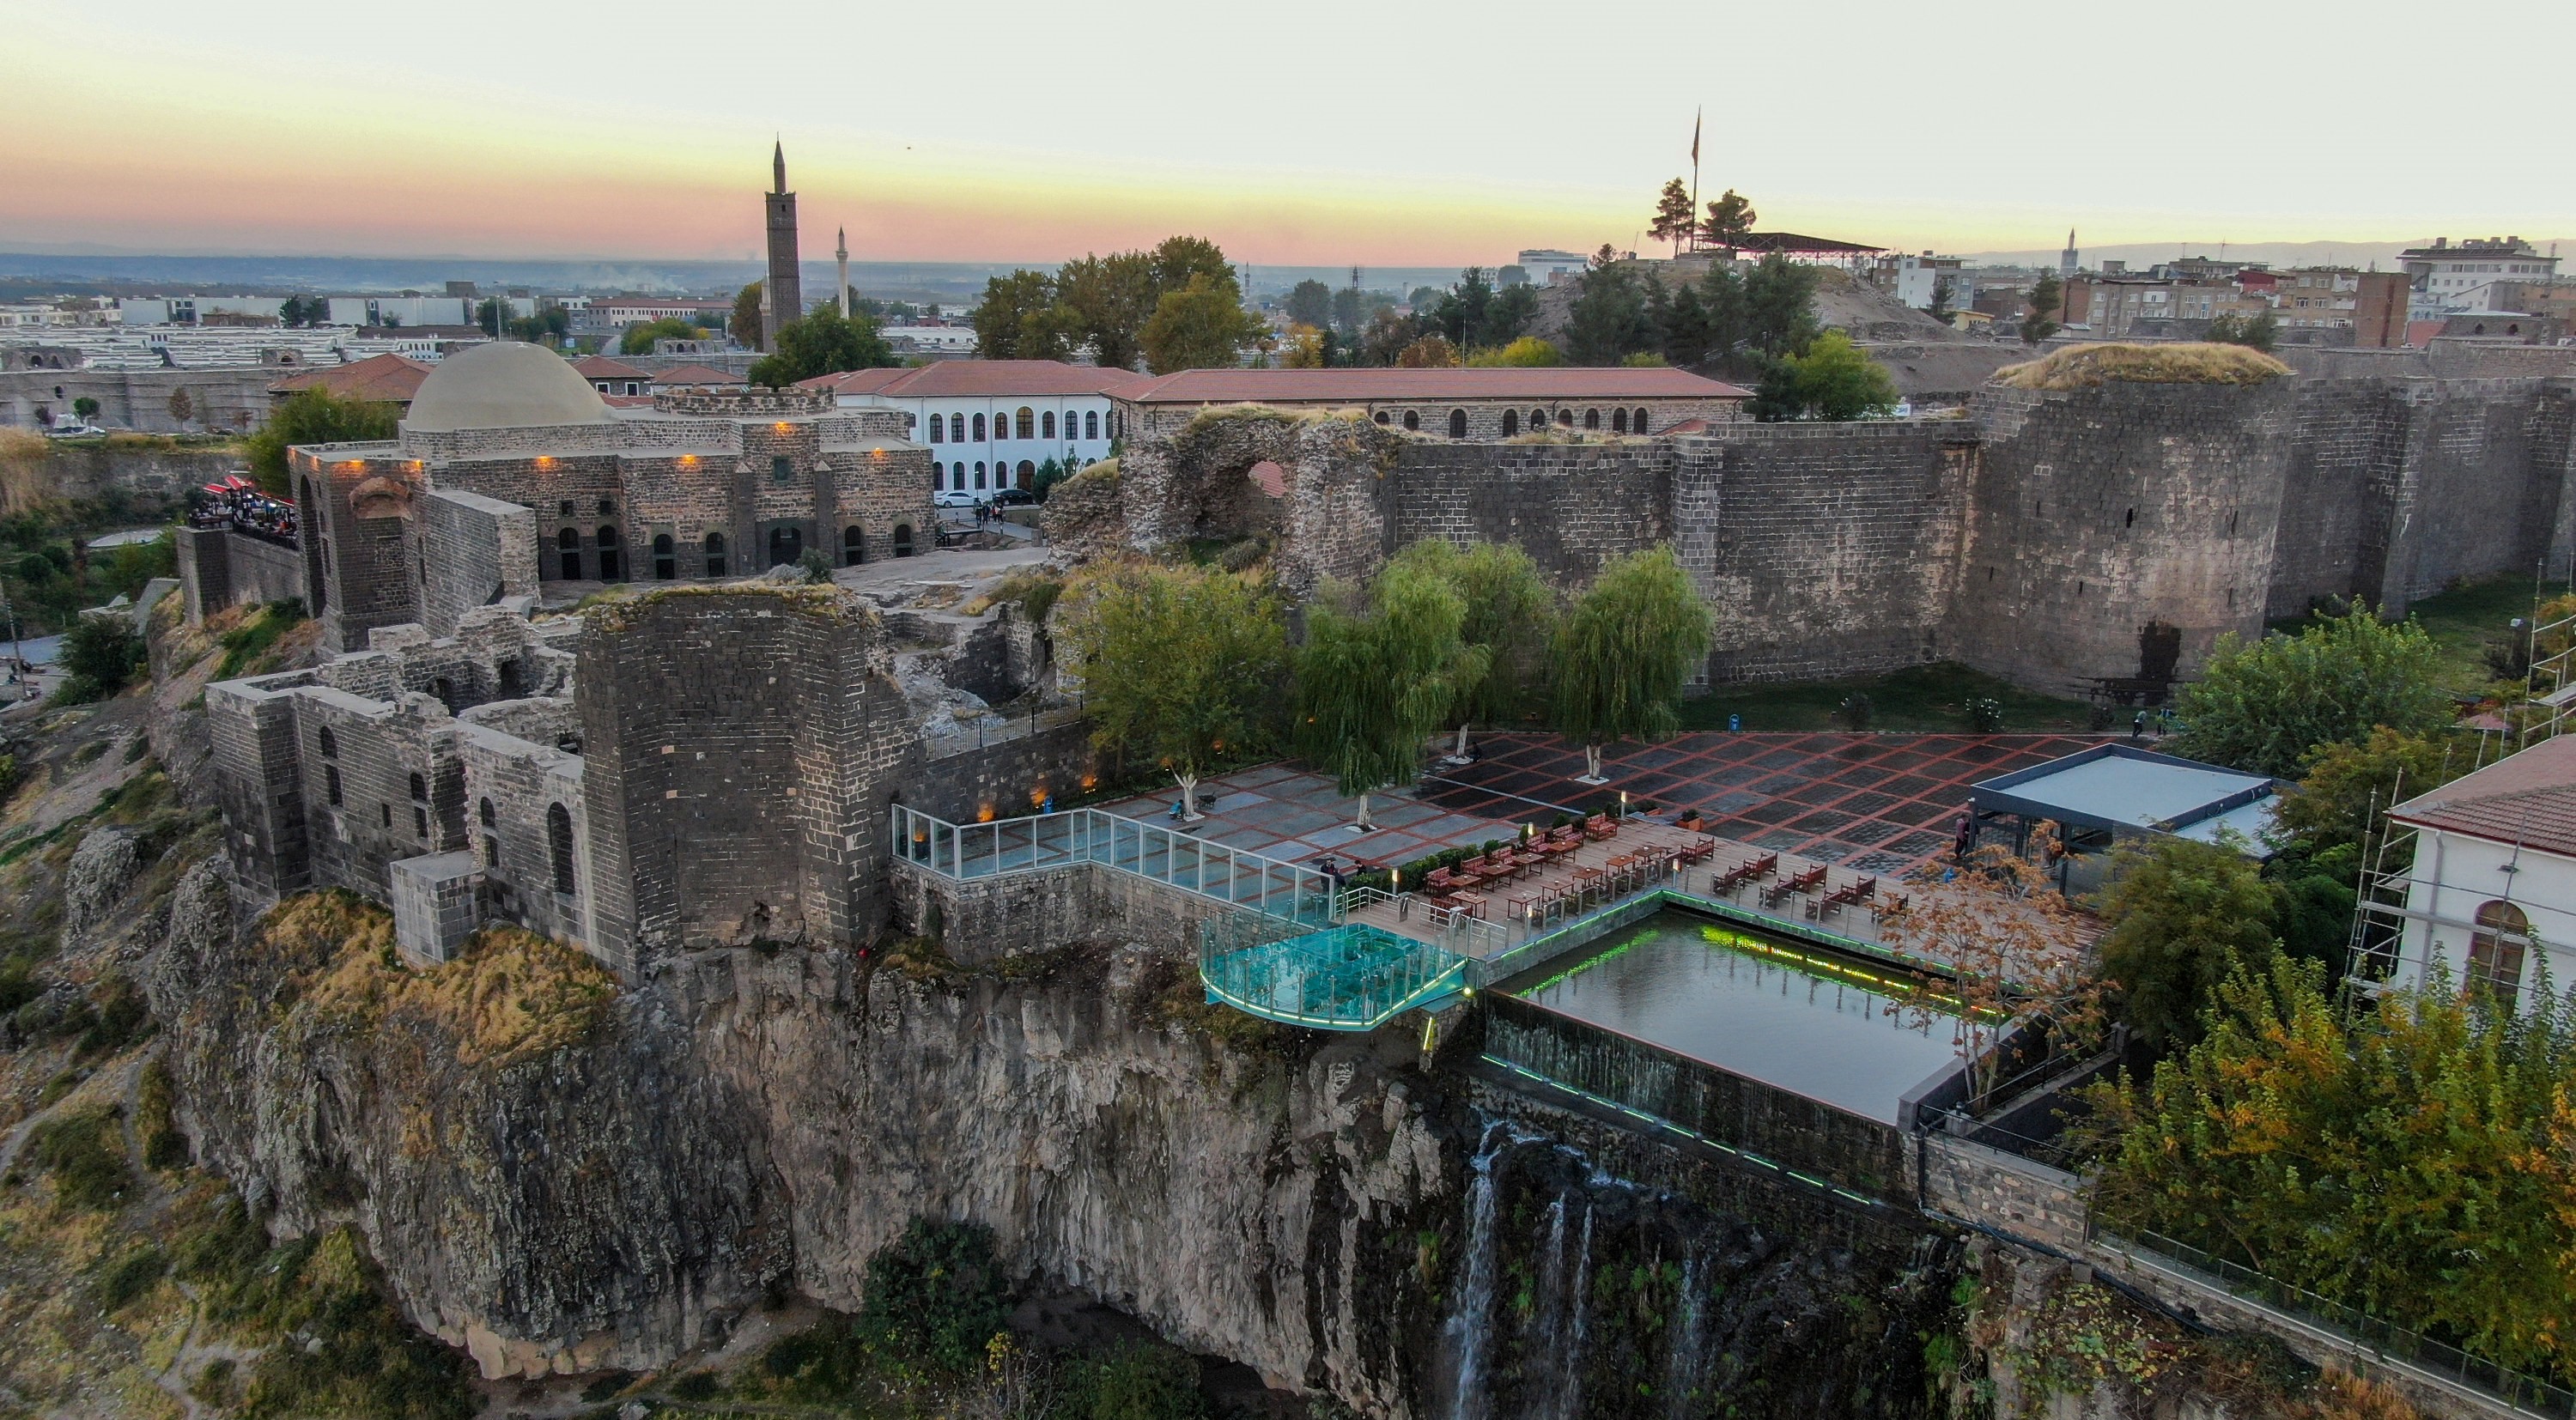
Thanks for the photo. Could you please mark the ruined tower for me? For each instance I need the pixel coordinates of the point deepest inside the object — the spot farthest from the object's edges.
(785, 291)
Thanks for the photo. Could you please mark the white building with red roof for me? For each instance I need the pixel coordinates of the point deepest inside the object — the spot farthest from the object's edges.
(1475, 405)
(2491, 889)
(991, 423)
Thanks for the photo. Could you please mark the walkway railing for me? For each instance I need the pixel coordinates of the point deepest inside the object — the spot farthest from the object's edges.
(1351, 976)
(967, 851)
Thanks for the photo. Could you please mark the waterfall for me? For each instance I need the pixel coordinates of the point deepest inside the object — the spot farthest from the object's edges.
(1570, 1405)
(1681, 1364)
(1470, 1328)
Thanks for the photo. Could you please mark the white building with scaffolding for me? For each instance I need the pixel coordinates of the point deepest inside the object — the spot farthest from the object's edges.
(2480, 876)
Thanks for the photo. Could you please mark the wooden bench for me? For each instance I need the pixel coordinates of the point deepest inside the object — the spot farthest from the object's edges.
(1799, 885)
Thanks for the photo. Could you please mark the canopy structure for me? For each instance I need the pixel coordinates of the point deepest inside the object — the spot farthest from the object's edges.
(1793, 244)
(2114, 792)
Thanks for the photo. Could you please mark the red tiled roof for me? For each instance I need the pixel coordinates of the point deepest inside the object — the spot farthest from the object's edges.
(600, 367)
(627, 401)
(390, 378)
(1271, 478)
(971, 379)
(1361, 386)
(2528, 797)
(698, 375)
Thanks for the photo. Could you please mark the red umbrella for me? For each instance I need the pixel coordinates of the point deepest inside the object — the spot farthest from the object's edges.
(235, 480)
(218, 488)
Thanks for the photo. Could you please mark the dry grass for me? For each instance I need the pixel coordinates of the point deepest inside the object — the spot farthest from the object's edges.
(509, 996)
(23, 486)
(2195, 363)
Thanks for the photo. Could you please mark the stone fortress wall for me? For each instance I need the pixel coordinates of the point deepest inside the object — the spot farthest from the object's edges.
(2090, 542)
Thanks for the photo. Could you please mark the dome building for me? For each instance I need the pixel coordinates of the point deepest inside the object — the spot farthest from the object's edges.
(511, 482)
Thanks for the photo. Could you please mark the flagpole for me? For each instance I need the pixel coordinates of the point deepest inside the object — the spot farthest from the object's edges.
(1694, 226)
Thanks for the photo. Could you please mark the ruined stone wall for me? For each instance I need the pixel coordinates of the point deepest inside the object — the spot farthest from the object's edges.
(1571, 506)
(1824, 549)
(219, 569)
(513, 784)
(737, 747)
(2346, 450)
(355, 501)
(258, 781)
(2484, 484)
(474, 551)
(1008, 776)
(2115, 532)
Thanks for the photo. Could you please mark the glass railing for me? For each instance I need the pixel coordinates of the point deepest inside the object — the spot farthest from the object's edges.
(1350, 977)
(1290, 891)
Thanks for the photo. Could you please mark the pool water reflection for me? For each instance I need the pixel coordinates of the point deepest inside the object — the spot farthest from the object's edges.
(1782, 1012)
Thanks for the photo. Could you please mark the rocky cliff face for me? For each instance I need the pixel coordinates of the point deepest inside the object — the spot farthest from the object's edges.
(562, 1178)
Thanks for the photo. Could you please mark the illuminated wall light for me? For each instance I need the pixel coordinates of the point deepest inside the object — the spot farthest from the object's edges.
(984, 814)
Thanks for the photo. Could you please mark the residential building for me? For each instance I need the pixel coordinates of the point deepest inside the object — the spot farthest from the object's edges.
(611, 376)
(378, 379)
(2490, 886)
(190, 310)
(637, 310)
(405, 309)
(990, 423)
(1473, 405)
(2450, 278)
(1916, 280)
(1546, 265)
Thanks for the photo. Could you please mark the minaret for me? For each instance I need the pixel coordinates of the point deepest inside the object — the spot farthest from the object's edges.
(2066, 262)
(783, 291)
(842, 253)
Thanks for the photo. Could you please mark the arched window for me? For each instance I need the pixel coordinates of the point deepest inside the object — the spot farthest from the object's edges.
(2496, 950)
(491, 852)
(1380, 417)
(1028, 423)
(1046, 425)
(1028, 473)
(938, 429)
(1538, 420)
(1091, 424)
(1637, 421)
(1457, 424)
(854, 546)
(609, 570)
(331, 784)
(1565, 417)
(979, 476)
(1413, 420)
(938, 476)
(484, 812)
(903, 539)
(568, 554)
(1592, 419)
(1618, 421)
(559, 845)
(330, 742)
(979, 428)
(666, 558)
(785, 545)
(715, 554)
(419, 787)
(1511, 422)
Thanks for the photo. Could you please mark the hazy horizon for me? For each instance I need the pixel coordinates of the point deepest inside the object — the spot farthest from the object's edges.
(1412, 135)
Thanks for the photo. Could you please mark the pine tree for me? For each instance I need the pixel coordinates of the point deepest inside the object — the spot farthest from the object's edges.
(1730, 220)
(1672, 216)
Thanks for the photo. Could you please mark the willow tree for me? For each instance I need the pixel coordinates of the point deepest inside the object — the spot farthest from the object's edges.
(1623, 651)
(1376, 677)
(1508, 607)
(1176, 663)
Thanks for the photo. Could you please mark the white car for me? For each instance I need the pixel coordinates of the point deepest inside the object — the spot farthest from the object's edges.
(954, 498)
(73, 431)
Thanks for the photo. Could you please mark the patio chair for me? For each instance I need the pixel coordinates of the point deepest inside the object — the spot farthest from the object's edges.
(1599, 827)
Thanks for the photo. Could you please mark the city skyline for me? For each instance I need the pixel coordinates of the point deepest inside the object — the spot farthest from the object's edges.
(1422, 139)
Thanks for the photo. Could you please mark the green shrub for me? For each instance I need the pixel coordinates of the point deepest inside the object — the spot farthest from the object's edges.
(99, 655)
(85, 1155)
(697, 1385)
(245, 644)
(130, 1276)
(119, 1017)
(1138, 1382)
(1855, 711)
(935, 1295)
(156, 1096)
(1985, 715)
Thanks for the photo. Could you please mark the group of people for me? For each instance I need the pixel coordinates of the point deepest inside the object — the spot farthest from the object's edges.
(235, 503)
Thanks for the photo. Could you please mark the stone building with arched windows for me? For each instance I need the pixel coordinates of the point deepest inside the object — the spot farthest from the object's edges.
(510, 475)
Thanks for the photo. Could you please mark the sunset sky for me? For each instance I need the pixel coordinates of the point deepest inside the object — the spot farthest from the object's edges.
(1320, 133)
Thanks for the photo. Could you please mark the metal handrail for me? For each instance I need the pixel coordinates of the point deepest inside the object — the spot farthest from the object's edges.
(1151, 851)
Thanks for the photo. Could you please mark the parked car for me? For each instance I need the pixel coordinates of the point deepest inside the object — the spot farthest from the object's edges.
(953, 498)
(1015, 497)
(73, 430)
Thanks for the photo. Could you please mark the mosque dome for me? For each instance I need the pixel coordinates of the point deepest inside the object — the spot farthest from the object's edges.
(506, 384)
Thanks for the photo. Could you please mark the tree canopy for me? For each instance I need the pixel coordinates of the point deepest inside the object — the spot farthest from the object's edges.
(2258, 331)
(1310, 303)
(2415, 1158)
(312, 416)
(1527, 353)
(1201, 326)
(2348, 783)
(2264, 706)
(1178, 664)
(1021, 319)
(1611, 319)
(822, 344)
(2180, 916)
(1623, 651)
(639, 338)
(1377, 676)
(746, 317)
(1833, 380)
(1674, 222)
(1730, 220)
(2040, 322)
(1508, 613)
(1104, 304)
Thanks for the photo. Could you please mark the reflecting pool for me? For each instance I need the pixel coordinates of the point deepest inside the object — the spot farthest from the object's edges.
(1783, 1012)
